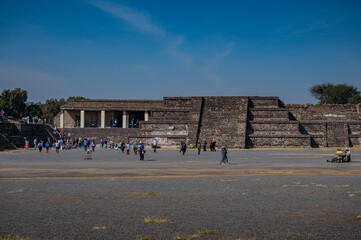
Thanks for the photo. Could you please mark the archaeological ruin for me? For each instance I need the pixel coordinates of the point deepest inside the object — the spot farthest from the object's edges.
(239, 122)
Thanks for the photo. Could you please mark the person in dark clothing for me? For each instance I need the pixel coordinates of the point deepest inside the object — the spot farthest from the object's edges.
(183, 147)
(224, 156)
(199, 147)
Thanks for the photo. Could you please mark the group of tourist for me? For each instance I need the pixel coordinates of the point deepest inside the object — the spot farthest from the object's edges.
(62, 143)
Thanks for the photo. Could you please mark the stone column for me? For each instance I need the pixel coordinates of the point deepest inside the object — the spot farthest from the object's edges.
(125, 119)
(102, 119)
(82, 118)
(61, 119)
(146, 116)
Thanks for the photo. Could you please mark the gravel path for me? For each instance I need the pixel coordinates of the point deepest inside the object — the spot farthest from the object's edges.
(263, 194)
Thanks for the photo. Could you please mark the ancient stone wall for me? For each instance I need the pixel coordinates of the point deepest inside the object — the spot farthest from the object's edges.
(236, 121)
(224, 119)
(327, 112)
(13, 135)
(114, 134)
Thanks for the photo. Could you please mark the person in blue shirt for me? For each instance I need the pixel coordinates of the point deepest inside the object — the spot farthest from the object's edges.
(204, 145)
(141, 151)
(135, 146)
(224, 156)
(47, 145)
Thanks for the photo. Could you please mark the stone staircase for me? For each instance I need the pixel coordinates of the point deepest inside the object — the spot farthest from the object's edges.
(269, 125)
(13, 134)
(224, 119)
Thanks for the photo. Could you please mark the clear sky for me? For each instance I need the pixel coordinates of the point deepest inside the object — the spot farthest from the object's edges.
(150, 49)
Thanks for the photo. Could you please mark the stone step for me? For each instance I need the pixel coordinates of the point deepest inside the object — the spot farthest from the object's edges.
(277, 141)
(272, 121)
(274, 133)
(270, 108)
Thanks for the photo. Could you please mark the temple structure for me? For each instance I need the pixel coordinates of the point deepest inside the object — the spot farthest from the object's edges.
(239, 122)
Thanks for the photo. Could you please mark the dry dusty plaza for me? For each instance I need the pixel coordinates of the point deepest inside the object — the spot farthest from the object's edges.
(262, 194)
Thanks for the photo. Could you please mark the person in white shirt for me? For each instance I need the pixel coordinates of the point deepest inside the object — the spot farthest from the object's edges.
(155, 144)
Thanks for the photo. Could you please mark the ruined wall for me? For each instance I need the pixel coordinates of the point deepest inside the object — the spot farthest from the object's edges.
(225, 120)
(13, 135)
(114, 134)
(326, 112)
(328, 125)
(236, 121)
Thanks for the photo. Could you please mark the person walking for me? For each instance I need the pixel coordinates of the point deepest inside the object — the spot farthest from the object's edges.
(35, 143)
(224, 156)
(199, 147)
(204, 145)
(135, 146)
(85, 144)
(102, 142)
(47, 146)
(93, 146)
(57, 146)
(154, 145)
(40, 146)
(122, 146)
(26, 144)
(141, 151)
(348, 155)
(116, 148)
(128, 148)
(183, 147)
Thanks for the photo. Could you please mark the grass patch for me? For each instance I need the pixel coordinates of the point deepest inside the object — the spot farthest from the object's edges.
(301, 186)
(17, 191)
(100, 228)
(143, 193)
(294, 234)
(180, 238)
(155, 220)
(146, 238)
(202, 233)
(337, 227)
(343, 185)
(236, 180)
(320, 185)
(12, 237)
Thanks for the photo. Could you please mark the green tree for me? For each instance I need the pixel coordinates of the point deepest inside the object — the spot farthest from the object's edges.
(76, 98)
(355, 99)
(52, 107)
(328, 93)
(15, 101)
(34, 109)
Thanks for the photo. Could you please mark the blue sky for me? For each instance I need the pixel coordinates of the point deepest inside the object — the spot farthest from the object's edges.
(150, 49)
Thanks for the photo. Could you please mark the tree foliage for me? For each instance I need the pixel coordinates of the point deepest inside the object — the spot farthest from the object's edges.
(52, 107)
(13, 101)
(328, 93)
(76, 98)
(34, 109)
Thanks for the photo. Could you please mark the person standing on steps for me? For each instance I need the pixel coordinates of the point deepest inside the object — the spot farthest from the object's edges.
(224, 156)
